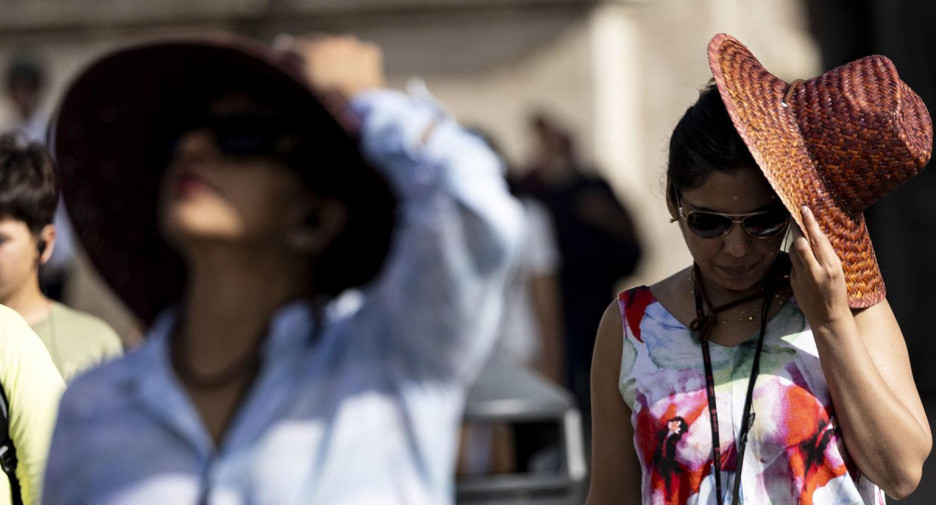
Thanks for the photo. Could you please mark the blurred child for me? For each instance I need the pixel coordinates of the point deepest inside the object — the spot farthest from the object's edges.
(28, 196)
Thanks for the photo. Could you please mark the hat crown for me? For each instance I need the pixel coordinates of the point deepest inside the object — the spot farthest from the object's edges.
(865, 129)
(835, 144)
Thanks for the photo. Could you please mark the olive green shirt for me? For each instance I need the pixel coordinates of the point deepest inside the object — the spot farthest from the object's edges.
(76, 340)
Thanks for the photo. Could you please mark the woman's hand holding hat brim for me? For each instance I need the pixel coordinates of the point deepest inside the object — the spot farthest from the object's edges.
(817, 278)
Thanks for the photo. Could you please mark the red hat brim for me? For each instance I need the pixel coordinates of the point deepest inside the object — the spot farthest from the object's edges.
(755, 101)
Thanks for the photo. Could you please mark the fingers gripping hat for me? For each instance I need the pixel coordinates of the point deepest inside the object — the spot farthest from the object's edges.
(113, 135)
(835, 143)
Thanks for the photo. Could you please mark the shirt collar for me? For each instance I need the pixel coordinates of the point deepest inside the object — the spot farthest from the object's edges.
(152, 382)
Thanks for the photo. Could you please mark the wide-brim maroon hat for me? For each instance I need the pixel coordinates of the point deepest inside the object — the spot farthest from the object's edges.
(836, 143)
(113, 134)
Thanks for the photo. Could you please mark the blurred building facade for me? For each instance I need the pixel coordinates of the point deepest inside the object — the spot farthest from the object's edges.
(617, 73)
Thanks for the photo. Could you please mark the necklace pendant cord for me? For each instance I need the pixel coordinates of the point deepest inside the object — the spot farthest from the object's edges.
(702, 325)
(713, 418)
(748, 416)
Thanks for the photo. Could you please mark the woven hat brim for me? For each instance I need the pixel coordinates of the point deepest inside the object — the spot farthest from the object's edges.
(754, 100)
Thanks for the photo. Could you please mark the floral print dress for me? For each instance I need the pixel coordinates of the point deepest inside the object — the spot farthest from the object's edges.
(795, 452)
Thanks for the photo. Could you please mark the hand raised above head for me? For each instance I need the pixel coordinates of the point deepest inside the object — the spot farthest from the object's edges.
(341, 64)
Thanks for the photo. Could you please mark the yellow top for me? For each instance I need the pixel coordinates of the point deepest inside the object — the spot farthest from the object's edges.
(76, 340)
(33, 387)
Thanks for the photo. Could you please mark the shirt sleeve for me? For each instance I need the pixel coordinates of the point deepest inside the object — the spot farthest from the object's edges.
(33, 387)
(438, 300)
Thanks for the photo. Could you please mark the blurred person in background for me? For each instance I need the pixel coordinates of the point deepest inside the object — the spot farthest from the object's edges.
(30, 388)
(754, 375)
(249, 208)
(31, 381)
(29, 193)
(25, 84)
(532, 323)
(531, 332)
(25, 87)
(530, 336)
(598, 242)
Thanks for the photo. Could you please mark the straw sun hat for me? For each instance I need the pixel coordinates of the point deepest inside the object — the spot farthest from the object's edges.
(836, 143)
(113, 137)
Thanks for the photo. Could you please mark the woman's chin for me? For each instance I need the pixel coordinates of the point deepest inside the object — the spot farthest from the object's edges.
(187, 233)
(184, 222)
(738, 280)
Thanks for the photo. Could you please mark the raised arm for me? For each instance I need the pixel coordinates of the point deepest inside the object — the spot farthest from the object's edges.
(865, 362)
(438, 299)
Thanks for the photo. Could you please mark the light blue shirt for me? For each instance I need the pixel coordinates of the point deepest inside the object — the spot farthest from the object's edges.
(367, 411)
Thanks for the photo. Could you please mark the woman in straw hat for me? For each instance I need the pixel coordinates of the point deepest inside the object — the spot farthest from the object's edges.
(263, 383)
(755, 376)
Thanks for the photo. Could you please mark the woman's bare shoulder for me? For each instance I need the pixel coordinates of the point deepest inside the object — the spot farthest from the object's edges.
(673, 293)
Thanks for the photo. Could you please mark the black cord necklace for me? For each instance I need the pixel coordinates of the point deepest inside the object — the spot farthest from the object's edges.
(248, 364)
(703, 325)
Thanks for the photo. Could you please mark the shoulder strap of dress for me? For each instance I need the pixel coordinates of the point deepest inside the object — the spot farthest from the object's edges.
(633, 304)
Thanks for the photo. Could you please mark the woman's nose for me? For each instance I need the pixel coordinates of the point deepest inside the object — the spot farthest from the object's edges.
(737, 243)
(193, 148)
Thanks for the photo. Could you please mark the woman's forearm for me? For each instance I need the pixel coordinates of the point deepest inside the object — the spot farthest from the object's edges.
(882, 431)
(864, 359)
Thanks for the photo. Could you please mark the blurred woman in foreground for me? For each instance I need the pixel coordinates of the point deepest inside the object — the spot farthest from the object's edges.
(294, 365)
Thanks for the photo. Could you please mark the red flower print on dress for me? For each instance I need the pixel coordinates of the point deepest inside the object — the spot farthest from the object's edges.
(658, 438)
(810, 432)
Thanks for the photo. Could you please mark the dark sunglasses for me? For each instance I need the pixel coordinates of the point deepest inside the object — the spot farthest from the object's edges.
(253, 134)
(762, 224)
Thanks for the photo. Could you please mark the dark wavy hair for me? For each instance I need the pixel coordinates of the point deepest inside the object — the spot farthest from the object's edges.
(29, 188)
(704, 141)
